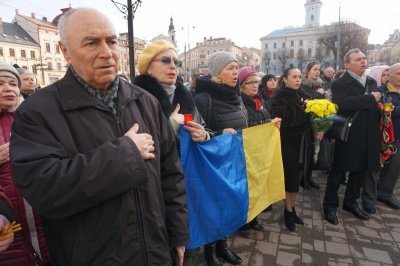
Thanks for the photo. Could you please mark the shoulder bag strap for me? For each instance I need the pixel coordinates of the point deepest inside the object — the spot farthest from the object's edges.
(38, 260)
(209, 110)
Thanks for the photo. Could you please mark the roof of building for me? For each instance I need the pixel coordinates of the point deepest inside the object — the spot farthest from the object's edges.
(284, 32)
(12, 33)
(40, 22)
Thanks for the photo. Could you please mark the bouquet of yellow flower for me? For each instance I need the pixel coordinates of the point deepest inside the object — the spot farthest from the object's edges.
(322, 112)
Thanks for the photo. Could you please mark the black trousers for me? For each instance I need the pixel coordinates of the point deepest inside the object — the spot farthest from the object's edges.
(352, 193)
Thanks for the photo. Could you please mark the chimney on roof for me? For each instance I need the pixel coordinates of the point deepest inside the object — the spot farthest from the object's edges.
(205, 38)
(16, 11)
(33, 15)
(44, 18)
(210, 37)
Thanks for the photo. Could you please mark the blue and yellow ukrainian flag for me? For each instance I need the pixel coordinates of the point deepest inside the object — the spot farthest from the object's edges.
(230, 180)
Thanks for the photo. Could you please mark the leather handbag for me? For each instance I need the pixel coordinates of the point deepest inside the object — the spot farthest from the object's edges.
(325, 155)
(341, 126)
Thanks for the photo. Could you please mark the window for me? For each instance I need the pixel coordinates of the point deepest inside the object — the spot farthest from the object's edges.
(48, 47)
(33, 54)
(12, 52)
(309, 52)
(291, 43)
(312, 17)
(23, 54)
(49, 66)
(57, 49)
(274, 56)
(301, 42)
(291, 53)
(1, 51)
(275, 45)
(59, 66)
(34, 70)
(266, 46)
(283, 45)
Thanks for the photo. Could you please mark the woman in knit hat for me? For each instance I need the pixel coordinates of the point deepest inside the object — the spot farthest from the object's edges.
(159, 68)
(219, 103)
(267, 86)
(258, 114)
(15, 250)
(28, 85)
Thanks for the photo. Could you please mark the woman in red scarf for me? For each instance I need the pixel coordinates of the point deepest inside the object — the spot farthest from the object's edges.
(258, 114)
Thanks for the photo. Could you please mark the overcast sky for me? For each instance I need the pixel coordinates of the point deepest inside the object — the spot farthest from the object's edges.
(244, 22)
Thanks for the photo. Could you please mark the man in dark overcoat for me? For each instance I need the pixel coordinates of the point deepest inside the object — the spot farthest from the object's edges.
(355, 91)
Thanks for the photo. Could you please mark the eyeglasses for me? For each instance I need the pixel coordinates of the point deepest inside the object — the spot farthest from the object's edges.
(252, 83)
(167, 60)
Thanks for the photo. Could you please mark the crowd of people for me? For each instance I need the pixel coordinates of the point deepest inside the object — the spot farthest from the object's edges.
(90, 165)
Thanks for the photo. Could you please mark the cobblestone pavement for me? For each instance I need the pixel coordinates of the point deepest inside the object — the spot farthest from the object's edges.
(351, 242)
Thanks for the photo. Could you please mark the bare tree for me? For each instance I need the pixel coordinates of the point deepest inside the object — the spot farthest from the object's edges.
(301, 57)
(283, 56)
(267, 59)
(351, 36)
(318, 55)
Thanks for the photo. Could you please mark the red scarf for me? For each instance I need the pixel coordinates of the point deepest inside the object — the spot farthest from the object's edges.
(257, 102)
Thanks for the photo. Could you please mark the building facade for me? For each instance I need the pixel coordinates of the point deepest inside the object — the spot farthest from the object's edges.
(295, 46)
(18, 47)
(51, 63)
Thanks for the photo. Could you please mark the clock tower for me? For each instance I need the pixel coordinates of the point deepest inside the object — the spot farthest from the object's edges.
(313, 11)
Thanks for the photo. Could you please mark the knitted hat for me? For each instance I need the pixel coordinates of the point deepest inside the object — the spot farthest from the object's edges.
(150, 52)
(7, 70)
(265, 79)
(217, 61)
(245, 72)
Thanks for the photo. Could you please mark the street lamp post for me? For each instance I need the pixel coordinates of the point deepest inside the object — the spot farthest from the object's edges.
(129, 11)
(338, 45)
(187, 71)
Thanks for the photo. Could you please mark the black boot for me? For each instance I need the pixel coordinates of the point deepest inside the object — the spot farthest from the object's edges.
(297, 219)
(305, 185)
(312, 183)
(211, 255)
(244, 231)
(224, 252)
(289, 220)
(268, 209)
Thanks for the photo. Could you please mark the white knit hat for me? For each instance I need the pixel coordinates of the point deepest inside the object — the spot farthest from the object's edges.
(217, 61)
(7, 70)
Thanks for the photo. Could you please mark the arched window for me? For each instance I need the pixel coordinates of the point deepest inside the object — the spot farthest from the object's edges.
(291, 53)
(309, 52)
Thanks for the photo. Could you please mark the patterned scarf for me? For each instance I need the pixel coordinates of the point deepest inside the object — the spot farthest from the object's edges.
(109, 100)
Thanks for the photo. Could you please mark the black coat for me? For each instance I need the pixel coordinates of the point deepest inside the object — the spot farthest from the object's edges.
(182, 96)
(310, 86)
(227, 109)
(361, 151)
(287, 104)
(102, 204)
(256, 117)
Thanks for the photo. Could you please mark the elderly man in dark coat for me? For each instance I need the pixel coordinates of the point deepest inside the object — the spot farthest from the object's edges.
(360, 154)
(97, 158)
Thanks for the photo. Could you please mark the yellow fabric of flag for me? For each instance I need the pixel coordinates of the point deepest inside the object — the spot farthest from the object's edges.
(262, 149)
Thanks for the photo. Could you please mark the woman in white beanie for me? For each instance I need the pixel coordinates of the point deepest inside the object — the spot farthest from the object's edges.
(219, 103)
(16, 249)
